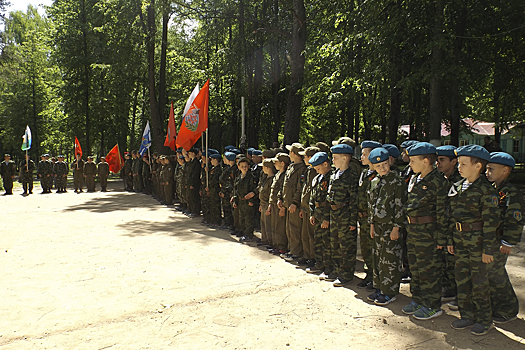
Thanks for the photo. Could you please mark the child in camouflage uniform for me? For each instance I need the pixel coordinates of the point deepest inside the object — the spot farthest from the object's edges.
(475, 217)
(387, 196)
(342, 197)
(278, 215)
(226, 188)
(244, 184)
(213, 190)
(320, 216)
(505, 304)
(265, 186)
(427, 230)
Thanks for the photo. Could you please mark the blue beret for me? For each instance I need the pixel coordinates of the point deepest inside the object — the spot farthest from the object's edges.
(392, 150)
(421, 148)
(446, 151)
(318, 158)
(370, 144)
(179, 150)
(215, 156)
(229, 148)
(502, 158)
(342, 149)
(257, 153)
(230, 155)
(250, 150)
(408, 143)
(213, 151)
(181, 157)
(473, 151)
(378, 155)
(236, 151)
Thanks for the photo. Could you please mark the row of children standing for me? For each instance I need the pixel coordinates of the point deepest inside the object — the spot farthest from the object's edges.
(452, 229)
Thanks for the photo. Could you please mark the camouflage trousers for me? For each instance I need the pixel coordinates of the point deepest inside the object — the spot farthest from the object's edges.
(78, 180)
(61, 182)
(205, 205)
(294, 225)
(90, 183)
(343, 243)
(227, 210)
(448, 277)
(145, 181)
(322, 248)
(103, 182)
(194, 201)
(426, 264)
(307, 235)
(504, 300)
(387, 260)
(8, 184)
(137, 183)
(472, 278)
(266, 224)
(215, 208)
(167, 193)
(47, 182)
(279, 239)
(246, 218)
(366, 243)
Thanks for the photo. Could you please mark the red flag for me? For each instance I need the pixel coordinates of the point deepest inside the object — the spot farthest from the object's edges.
(114, 159)
(196, 119)
(172, 130)
(78, 149)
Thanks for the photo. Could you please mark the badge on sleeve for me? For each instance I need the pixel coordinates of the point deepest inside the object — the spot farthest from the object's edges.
(517, 215)
(495, 201)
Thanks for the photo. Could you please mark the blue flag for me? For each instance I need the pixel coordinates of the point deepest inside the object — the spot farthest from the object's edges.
(146, 140)
(27, 139)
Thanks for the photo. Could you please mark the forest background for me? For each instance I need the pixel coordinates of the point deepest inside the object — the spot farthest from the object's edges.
(310, 70)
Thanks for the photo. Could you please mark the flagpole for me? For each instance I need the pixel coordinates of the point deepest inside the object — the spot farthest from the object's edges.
(27, 162)
(207, 156)
(149, 158)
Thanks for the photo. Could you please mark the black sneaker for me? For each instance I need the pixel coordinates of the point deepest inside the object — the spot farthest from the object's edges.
(341, 282)
(364, 284)
(373, 297)
(481, 329)
(331, 277)
(462, 323)
(453, 305)
(291, 258)
(384, 299)
(302, 261)
(502, 319)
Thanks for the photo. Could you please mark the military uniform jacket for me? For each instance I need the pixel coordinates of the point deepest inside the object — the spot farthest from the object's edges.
(342, 192)
(7, 169)
(243, 186)
(214, 176)
(103, 169)
(226, 180)
(308, 182)
(511, 205)
(387, 200)
(478, 203)
(90, 169)
(319, 206)
(265, 188)
(146, 172)
(257, 173)
(193, 173)
(179, 174)
(166, 173)
(128, 166)
(277, 185)
(454, 177)
(76, 169)
(428, 197)
(45, 167)
(292, 186)
(362, 191)
(61, 168)
(407, 173)
(26, 175)
(136, 166)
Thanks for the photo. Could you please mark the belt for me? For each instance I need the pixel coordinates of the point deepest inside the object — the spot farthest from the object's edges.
(421, 219)
(338, 206)
(465, 227)
(362, 214)
(320, 204)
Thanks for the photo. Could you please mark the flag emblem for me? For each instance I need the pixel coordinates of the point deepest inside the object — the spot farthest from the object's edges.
(192, 120)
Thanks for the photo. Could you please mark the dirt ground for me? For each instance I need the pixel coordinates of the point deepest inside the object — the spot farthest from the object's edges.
(117, 270)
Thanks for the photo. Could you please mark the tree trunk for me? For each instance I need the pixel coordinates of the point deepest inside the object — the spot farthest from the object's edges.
(157, 129)
(461, 22)
(293, 107)
(162, 69)
(87, 77)
(436, 82)
(395, 112)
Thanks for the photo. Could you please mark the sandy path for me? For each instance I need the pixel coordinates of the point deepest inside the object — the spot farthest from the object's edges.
(118, 271)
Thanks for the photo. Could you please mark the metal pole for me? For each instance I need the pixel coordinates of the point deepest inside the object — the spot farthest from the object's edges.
(149, 158)
(27, 162)
(207, 156)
